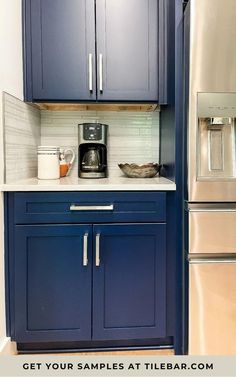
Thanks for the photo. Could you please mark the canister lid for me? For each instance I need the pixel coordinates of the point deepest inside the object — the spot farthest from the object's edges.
(48, 147)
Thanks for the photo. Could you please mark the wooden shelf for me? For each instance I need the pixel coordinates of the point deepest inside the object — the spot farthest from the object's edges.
(96, 107)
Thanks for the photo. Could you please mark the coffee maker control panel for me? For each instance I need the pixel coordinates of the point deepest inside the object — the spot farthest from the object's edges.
(92, 150)
(92, 132)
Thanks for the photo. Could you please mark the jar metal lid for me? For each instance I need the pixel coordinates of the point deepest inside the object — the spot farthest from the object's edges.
(48, 147)
(47, 152)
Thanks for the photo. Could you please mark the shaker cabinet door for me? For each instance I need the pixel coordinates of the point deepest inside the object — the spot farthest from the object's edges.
(103, 50)
(127, 50)
(52, 283)
(63, 49)
(129, 281)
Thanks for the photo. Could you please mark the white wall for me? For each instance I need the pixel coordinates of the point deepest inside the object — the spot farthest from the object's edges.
(11, 81)
(11, 77)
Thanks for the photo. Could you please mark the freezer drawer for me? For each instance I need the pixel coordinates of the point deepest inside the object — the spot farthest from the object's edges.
(212, 308)
(212, 231)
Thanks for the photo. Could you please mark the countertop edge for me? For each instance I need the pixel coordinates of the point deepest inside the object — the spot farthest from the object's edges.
(76, 184)
(157, 187)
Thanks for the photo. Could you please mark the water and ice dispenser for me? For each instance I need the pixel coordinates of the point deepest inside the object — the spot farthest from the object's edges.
(216, 157)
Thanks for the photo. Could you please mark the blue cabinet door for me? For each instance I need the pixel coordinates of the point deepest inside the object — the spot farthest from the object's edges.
(89, 50)
(127, 50)
(129, 284)
(63, 49)
(52, 283)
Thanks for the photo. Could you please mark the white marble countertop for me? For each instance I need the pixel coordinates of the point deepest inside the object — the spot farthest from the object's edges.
(120, 183)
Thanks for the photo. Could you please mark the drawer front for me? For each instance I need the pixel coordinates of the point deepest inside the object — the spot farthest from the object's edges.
(212, 309)
(74, 207)
(212, 232)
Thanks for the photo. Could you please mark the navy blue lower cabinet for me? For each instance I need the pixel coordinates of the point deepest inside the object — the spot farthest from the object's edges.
(129, 281)
(53, 282)
(89, 282)
(54, 270)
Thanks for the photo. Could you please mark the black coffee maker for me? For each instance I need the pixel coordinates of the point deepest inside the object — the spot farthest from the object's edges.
(92, 154)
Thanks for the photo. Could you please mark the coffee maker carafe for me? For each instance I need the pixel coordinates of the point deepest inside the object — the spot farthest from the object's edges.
(91, 159)
(92, 150)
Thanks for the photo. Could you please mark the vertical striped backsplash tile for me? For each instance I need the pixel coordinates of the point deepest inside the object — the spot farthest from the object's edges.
(133, 136)
(22, 136)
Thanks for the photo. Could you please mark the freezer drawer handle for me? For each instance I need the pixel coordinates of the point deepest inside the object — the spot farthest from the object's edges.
(76, 207)
(212, 261)
(97, 262)
(85, 252)
(212, 210)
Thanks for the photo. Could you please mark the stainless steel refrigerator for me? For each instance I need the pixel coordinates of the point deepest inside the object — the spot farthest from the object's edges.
(210, 100)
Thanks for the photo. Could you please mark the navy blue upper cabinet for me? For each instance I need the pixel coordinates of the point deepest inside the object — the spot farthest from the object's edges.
(52, 282)
(63, 44)
(129, 285)
(101, 50)
(127, 50)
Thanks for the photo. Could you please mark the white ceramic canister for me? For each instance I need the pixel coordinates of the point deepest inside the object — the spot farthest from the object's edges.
(48, 162)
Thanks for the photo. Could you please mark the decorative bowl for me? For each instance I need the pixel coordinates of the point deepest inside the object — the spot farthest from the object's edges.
(140, 171)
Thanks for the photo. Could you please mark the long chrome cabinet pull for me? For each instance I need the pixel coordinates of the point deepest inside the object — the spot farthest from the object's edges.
(75, 207)
(91, 72)
(97, 262)
(85, 252)
(100, 73)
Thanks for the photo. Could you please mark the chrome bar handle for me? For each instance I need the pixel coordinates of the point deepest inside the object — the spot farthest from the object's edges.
(97, 262)
(91, 72)
(100, 73)
(85, 250)
(207, 210)
(212, 261)
(77, 207)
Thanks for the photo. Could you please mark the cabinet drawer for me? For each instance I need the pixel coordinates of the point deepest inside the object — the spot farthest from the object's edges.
(73, 207)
